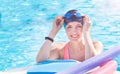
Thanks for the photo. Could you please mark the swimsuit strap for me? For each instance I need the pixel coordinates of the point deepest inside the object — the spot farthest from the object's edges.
(66, 52)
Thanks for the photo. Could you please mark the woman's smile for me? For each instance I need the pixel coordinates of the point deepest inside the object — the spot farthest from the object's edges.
(75, 36)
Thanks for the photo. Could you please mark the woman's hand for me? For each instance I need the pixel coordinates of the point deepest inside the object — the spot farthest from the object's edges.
(57, 25)
(86, 24)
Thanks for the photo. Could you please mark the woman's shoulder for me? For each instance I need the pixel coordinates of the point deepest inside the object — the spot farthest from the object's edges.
(97, 43)
(58, 45)
(98, 46)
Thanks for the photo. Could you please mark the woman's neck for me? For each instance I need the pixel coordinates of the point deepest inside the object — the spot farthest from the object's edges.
(76, 45)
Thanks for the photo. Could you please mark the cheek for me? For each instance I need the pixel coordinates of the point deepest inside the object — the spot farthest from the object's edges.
(79, 30)
(68, 30)
(68, 33)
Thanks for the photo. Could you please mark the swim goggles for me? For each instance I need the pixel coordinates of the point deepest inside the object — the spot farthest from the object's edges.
(75, 16)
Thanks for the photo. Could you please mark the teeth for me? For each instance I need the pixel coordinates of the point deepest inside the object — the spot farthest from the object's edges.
(74, 36)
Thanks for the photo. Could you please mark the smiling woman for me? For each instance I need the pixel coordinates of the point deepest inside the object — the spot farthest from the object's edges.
(80, 47)
(25, 23)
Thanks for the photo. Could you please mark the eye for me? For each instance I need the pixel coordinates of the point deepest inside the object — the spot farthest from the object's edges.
(79, 26)
(69, 26)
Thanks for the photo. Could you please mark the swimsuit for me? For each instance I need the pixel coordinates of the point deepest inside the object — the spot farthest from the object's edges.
(66, 52)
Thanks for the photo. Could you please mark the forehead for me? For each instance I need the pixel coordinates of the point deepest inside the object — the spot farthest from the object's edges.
(74, 23)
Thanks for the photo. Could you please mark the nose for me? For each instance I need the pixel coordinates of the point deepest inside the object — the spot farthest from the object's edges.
(74, 30)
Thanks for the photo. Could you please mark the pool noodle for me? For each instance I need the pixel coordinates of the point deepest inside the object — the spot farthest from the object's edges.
(107, 68)
(93, 62)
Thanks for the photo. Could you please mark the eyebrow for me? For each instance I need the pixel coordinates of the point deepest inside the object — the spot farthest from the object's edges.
(79, 24)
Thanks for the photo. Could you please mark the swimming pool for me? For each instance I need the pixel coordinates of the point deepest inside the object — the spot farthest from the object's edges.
(25, 23)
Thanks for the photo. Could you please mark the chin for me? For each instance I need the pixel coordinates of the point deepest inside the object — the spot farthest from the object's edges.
(75, 39)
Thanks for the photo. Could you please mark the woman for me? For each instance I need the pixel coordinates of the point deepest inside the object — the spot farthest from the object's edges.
(80, 46)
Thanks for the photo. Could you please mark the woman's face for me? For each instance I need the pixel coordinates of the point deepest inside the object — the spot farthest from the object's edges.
(74, 31)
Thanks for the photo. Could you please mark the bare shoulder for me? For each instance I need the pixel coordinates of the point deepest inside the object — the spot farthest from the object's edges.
(98, 46)
(97, 43)
(58, 45)
(57, 50)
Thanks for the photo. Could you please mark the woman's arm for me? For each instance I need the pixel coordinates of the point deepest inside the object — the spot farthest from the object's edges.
(91, 48)
(45, 50)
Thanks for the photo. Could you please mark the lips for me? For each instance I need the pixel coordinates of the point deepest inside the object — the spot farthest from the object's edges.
(75, 36)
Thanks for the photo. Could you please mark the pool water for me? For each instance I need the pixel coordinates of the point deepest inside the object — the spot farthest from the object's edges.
(25, 23)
